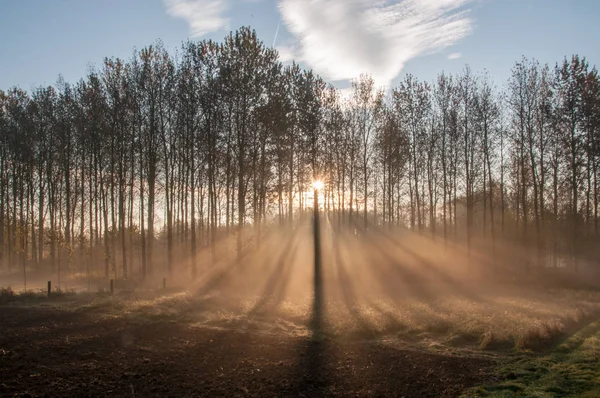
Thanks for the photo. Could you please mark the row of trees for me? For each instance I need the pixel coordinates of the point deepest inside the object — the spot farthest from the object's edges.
(224, 139)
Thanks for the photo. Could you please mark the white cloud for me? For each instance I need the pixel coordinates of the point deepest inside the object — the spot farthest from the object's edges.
(346, 94)
(288, 53)
(203, 16)
(454, 56)
(341, 39)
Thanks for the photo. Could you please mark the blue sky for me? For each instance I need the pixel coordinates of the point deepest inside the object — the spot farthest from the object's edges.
(337, 38)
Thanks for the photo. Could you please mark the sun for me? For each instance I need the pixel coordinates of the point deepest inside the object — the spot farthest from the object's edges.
(317, 185)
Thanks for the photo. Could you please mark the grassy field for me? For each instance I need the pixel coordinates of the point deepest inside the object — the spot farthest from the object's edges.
(571, 368)
(525, 321)
(542, 344)
(409, 317)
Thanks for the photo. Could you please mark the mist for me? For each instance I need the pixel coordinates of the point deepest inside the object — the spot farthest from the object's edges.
(219, 223)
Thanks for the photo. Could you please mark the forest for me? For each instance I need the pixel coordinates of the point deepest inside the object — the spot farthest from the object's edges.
(213, 221)
(144, 163)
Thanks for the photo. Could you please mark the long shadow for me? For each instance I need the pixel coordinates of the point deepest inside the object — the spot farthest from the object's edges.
(348, 292)
(414, 284)
(314, 378)
(393, 275)
(393, 324)
(573, 337)
(450, 282)
(429, 267)
(279, 278)
(317, 312)
(216, 277)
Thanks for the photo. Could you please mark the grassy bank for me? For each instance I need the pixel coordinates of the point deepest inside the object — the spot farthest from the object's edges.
(570, 369)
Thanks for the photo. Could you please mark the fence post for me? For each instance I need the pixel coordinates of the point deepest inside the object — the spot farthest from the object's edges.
(49, 288)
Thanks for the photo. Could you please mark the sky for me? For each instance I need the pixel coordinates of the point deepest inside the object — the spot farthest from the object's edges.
(338, 39)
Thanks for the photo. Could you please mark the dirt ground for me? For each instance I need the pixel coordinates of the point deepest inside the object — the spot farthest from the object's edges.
(56, 353)
(370, 316)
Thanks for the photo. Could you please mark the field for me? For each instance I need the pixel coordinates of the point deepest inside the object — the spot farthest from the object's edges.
(379, 315)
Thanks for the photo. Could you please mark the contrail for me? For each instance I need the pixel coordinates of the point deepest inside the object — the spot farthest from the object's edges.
(276, 33)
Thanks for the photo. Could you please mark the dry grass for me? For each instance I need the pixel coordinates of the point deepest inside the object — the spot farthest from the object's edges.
(373, 287)
(522, 322)
(527, 322)
(9, 296)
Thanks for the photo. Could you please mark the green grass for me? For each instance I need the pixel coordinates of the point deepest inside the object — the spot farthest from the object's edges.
(570, 369)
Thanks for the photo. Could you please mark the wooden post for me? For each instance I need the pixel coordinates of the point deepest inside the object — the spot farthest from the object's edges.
(112, 287)
(49, 288)
(164, 283)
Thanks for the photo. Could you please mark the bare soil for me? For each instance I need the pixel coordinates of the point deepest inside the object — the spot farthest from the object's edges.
(52, 352)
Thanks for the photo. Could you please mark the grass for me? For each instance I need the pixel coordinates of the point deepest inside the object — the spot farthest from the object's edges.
(547, 342)
(518, 321)
(570, 369)
(174, 306)
(509, 322)
(500, 324)
(9, 296)
(491, 322)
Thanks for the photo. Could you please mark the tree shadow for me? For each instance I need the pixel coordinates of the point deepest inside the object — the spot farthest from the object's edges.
(313, 378)
(393, 324)
(278, 280)
(348, 292)
(218, 274)
(435, 273)
(448, 281)
(393, 275)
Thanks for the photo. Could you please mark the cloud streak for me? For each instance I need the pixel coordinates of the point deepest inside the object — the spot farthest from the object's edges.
(202, 16)
(276, 33)
(341, 39)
